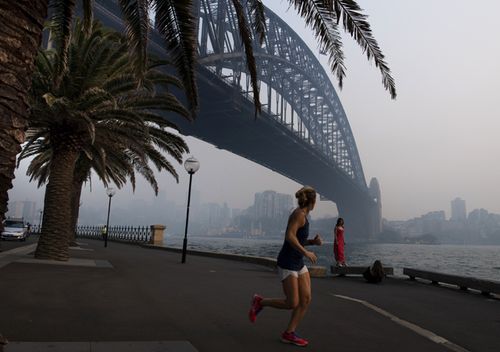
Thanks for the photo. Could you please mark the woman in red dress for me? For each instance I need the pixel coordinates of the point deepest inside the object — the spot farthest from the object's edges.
(338, 242)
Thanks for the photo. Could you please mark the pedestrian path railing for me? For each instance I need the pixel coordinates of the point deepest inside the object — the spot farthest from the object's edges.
(133, 234)
(463, 282)
(34, 229)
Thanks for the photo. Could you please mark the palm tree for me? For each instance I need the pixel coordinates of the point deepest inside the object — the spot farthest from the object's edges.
(95, 116)
(20, 38)
(116, 158)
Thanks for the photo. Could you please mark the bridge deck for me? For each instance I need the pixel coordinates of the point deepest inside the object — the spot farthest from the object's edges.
(147, 295)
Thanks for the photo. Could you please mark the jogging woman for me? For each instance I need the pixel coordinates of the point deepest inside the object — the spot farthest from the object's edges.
(293, 273)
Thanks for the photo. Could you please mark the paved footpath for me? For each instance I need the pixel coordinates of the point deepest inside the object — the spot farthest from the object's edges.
(129, 298)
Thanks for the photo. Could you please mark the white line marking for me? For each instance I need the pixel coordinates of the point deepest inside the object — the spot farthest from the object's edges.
(415, 328)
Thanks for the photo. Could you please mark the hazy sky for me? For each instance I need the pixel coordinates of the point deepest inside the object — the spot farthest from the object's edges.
(436, 141)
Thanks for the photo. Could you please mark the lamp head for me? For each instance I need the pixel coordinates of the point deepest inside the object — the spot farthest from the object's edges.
(191, 165)
(110, 191)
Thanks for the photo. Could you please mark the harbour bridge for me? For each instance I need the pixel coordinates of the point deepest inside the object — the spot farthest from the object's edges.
(302, 133)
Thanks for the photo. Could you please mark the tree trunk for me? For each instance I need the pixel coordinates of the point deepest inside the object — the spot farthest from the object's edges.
(20, 37)
(76, 193)
(53, 242)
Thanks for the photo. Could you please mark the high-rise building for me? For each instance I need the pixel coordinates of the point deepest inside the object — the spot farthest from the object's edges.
(270, 204)
(478, 217)
(458, 211)
(23, 209)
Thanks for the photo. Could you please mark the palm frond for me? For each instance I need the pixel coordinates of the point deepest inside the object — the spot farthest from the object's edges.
(161, 162)
(138, 25)
(39, 168)
(82, 170)
(88, 15)
(86, 124)
(356, 24)
(157, 119)
(246, 38)
(145, 171)
(177, 25)
(44, 73)
(96, 64)
(319, 15)
(170, 143)
(166, 101)
(258, 17)
(117, 168)
(116, 119)
(93, 98)
(162, 79)
(98, 161)
(34, 145)
(119, 64)
(118, 84)
(60, 29)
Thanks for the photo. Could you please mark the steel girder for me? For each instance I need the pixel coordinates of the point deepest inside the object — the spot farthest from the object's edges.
(295, 88)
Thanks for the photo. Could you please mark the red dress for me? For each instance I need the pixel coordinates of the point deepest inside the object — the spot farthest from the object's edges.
(338, 245)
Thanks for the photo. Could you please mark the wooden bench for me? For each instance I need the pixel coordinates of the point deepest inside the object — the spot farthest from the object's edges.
(356, 270)
(463, 282)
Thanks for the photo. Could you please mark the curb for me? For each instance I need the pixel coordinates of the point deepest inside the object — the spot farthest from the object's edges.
(267, 262)
(314, 270)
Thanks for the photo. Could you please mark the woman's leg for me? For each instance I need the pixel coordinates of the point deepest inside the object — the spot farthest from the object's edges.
(291, 300)
(304, 291)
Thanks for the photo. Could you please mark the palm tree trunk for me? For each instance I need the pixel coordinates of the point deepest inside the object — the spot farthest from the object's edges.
(20, 37)
(76, 193)
(53, 242)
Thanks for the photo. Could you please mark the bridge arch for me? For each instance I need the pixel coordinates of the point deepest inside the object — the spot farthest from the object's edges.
(292, 76)
(305, 121)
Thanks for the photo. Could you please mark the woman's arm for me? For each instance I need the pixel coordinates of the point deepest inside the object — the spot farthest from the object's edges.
(316, 241)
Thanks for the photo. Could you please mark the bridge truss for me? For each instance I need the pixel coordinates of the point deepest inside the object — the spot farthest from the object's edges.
(302, 115)
(294, 88)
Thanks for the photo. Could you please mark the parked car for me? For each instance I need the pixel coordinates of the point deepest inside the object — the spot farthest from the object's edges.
(14, 229)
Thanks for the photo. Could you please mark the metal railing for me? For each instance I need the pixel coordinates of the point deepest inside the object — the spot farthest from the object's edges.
(133, 234)
(34, 229)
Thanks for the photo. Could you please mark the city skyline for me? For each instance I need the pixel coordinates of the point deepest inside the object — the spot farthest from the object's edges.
(198, 201)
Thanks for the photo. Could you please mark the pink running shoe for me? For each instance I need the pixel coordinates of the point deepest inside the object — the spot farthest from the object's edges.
(255, 307)
(290, 337)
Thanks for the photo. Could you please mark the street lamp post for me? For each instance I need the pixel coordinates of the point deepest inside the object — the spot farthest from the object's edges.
(40, 222)
(191, 165)
(110, 192)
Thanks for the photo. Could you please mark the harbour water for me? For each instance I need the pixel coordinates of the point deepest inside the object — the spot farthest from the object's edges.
(475, 261)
